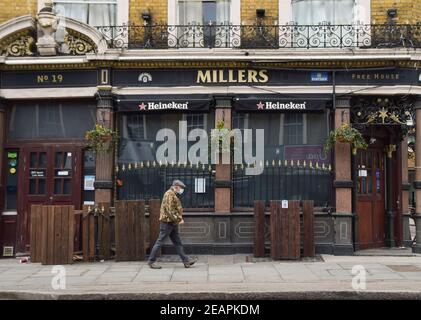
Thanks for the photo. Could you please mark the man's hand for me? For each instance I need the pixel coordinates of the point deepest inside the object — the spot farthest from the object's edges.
(182, 221)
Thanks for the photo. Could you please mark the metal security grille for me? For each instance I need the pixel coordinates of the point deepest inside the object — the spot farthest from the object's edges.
(284, 181)
(149, 180)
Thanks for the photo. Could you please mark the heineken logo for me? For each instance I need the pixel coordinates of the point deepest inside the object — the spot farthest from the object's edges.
(269, 105)
(164, 106)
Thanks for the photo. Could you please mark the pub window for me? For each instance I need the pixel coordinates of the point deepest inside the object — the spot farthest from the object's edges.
(50, 119)
(195, 121)
(294, 128)
(92, 12)
(141, 175)
(295, 165)
(136, 127)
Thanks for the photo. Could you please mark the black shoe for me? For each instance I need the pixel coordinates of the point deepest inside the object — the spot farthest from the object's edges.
(189, 263)
(154, 265)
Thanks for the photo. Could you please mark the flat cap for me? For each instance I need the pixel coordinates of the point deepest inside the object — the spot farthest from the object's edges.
(178, 183)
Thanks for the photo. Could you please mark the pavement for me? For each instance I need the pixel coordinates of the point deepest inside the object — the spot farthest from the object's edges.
(218, 277)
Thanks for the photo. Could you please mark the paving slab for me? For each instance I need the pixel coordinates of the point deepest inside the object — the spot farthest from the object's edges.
(235, 276)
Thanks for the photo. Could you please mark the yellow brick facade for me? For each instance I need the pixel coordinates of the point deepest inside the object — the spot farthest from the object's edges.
(10, 9)
(409, 11)
(157, 8)
(248, 10)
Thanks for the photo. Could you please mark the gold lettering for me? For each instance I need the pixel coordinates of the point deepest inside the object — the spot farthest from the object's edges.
(263, 76)
(252, 76)
(231, 76)
(242, 76)
(204, 76)
(215, 76)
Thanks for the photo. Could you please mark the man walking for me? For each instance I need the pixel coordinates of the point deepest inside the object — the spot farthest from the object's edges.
(170, 217)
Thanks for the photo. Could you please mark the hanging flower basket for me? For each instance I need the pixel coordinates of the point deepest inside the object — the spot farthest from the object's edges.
(346, 134)
(101, 139)
(219, 139)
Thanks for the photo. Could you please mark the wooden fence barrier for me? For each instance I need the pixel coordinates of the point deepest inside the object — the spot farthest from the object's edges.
(96, 229)
(52, 234)
(259, 228)
(285, 229)
(130, 230)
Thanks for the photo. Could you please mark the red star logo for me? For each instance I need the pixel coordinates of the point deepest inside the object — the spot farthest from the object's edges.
(142, 106)
(260, 105)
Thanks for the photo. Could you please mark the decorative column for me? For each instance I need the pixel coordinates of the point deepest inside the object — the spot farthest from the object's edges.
(417, 182)
(104, 170)
(342, 185)
(405, 195)
(223, 171)
(2, 139)
(390, 215)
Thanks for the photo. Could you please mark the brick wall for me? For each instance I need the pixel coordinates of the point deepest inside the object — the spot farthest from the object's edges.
(409, 11)
(248, 10)
(10, 9)
(157, 8)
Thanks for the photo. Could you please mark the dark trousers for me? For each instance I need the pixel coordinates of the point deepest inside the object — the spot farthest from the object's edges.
(168, 229)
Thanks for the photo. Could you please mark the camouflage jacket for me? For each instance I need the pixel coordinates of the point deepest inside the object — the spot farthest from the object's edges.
(171, 208)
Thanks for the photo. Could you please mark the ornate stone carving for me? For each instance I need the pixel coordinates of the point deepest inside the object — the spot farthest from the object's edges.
(47, 26)
(77, 46)
(23, 46)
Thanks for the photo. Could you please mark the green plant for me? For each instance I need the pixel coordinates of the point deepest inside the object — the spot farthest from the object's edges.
(101, 139)
(346, 134)
(220, 135)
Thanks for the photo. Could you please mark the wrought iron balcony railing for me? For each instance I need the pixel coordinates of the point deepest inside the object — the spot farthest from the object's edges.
(262, 36)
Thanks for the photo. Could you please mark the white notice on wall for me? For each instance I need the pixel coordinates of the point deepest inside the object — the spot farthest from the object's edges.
(199, 185)
(284, 204)
(89, 183)
(362, 173)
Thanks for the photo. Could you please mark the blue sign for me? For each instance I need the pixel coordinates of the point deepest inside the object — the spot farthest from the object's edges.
(319, 76)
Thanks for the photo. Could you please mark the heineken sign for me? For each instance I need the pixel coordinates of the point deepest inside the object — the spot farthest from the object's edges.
(276, 105)
(159, 103)
(164, 106)
(262, 103)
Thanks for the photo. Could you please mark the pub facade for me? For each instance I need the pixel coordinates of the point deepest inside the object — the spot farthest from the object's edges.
(53, 91)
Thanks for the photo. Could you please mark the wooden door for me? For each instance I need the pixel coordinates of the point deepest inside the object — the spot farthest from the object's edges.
(371, 197)
(50, 175)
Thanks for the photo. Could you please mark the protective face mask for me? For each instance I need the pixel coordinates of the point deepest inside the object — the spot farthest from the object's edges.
(180, 191)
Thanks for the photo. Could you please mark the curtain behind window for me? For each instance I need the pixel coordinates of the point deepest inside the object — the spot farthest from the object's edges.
(198, 15)
(190, 12)
(317, 11)
(223, 11)
(94, 14)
